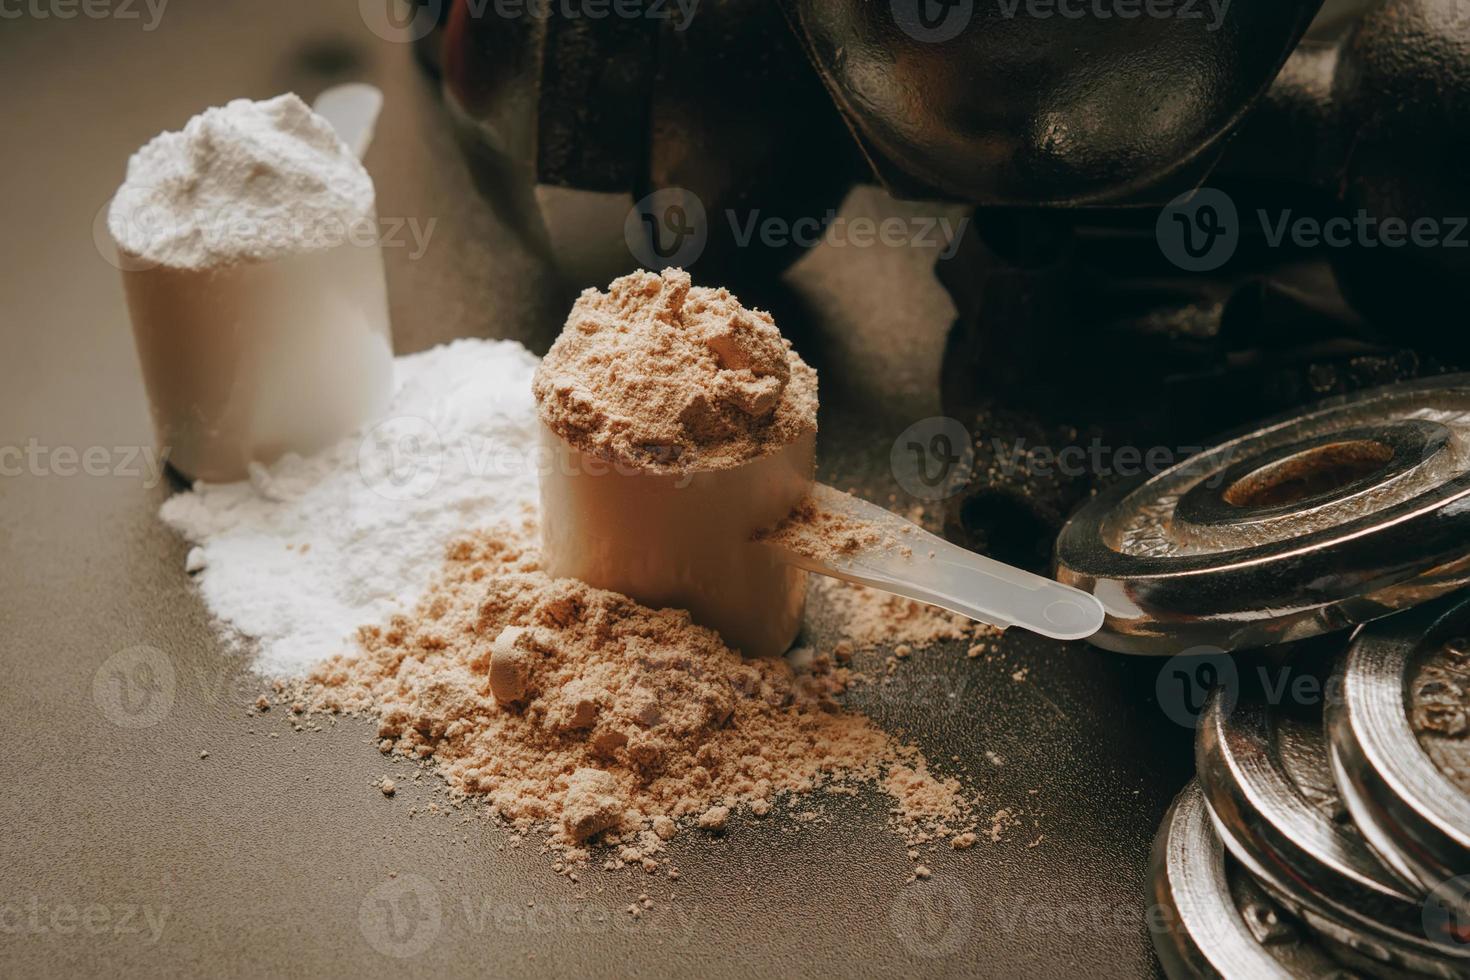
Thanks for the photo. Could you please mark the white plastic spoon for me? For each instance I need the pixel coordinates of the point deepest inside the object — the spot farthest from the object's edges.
(911, 562)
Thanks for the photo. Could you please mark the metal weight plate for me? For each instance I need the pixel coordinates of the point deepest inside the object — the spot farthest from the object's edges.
(1353, 509)
(1212, 920)
(1400, 747)
(1266, 775)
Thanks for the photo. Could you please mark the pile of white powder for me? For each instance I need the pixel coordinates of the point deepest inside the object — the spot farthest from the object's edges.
(247, 181)
(312, 548)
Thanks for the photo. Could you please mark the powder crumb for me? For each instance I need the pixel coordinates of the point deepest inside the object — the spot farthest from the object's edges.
(1019, 676)
(195, 561)
(387, 786)
(664, 827)
(922, 873)
(1000, 822)
(203, 754)
(262, 703)
(760, 807)
(902, 651)
(976, 650)
(592, 803)
(714, 819)
(963, 842)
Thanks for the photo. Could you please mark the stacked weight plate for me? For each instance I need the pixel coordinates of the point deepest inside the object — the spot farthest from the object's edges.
(1328, 832)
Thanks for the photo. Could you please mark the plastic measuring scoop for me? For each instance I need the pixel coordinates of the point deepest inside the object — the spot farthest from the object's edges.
(913, 563)
(352, 109)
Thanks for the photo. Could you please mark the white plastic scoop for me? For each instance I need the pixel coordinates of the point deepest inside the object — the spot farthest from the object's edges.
(245, 361)
(352, 109)
(911, 562)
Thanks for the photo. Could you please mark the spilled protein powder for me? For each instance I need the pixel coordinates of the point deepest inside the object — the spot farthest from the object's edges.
(396, 576)
(311, 549)
(583, 713)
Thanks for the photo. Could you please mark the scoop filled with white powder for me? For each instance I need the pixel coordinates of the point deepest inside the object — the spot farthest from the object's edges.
(249, 250)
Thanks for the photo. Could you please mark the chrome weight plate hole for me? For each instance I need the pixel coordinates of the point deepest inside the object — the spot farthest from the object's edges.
(1266, 495)
(1309, 474)
(1282, 476)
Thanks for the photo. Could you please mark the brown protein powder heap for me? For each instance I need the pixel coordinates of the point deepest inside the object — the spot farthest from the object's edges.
(658, 374)
(582, 713)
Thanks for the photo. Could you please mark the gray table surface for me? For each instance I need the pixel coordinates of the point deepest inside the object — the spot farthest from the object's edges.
(126, 853)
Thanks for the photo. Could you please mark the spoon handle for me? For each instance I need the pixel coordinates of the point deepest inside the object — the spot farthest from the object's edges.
(902, 558)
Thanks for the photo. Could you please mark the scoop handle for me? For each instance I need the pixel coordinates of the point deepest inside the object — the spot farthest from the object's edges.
(919, 565)
(352, 109)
